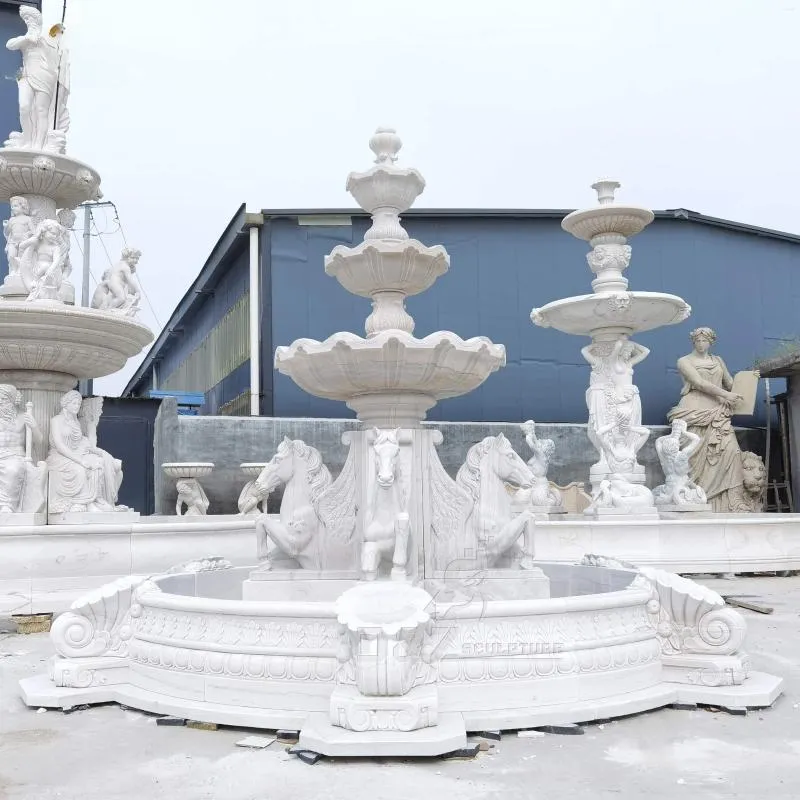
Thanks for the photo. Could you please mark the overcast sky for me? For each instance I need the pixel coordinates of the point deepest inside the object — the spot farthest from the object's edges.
(188, 108)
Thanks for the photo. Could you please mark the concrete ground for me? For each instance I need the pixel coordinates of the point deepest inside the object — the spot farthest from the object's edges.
(106, 753)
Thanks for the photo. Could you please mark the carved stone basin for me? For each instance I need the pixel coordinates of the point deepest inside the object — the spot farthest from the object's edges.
(612, 640)
(81, 342)
(252, 468)
(188, 469)
(64, 180)
(625, 312)
(391, 378)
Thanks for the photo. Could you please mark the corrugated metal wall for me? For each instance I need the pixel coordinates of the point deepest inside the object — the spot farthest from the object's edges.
(214, 350)
(745, 286)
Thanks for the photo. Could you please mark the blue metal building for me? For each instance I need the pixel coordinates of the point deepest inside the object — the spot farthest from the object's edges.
(742, 280)
(10, 63)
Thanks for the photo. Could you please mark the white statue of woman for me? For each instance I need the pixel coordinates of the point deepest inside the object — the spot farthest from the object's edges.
(43, 83)
(706, 406)
(678, 488)
(541, 493)
(83, 477)
(16, 230)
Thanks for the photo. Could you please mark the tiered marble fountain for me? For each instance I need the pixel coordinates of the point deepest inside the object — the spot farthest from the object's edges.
(46, 343)
(394, 608)
(610, 316)
(62, 529)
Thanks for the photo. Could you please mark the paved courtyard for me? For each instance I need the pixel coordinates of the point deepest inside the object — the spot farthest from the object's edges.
(107, 753)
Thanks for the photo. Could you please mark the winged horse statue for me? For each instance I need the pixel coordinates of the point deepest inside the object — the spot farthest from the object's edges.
(316, 524)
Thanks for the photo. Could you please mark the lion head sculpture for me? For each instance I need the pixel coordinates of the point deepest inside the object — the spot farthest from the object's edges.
(755, 481)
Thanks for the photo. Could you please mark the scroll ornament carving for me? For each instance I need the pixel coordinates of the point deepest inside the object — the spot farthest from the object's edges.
(98, 624)
(690, 618)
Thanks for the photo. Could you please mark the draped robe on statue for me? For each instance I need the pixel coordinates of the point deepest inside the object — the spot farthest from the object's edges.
(73, 485)
(12, 469)
(717, 464)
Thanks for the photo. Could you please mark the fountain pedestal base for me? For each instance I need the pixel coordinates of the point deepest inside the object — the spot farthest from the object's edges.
(320, 736)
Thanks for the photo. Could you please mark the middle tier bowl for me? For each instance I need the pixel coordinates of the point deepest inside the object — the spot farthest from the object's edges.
(403, 265)
(628, 312)
(391, 378)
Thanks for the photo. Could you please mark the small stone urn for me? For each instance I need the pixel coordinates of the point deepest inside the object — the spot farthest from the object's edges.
(191, 494)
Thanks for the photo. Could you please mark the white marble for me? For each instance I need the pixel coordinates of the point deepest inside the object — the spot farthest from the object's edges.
(446, 661)
(22, 481)
(733, 481)
(118, 290)
(120, 516)
(390, 379)
(192, 500)
(188, 469)
(678, 492)
(316, 525)
(82, 477)
(386, 522)
(543, 496)
(252, 501)
(340, 631)
(17, 229)
(43, 85)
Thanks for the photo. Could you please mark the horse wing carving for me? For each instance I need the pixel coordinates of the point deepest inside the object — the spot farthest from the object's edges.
(336, 505)
(451, 507)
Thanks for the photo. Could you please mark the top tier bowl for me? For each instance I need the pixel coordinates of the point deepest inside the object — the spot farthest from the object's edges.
(67, 181)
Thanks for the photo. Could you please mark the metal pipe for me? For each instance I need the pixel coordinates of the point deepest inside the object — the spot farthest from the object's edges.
(85, 386)
(255, 350)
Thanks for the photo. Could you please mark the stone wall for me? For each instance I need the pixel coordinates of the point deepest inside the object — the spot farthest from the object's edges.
(230, 441)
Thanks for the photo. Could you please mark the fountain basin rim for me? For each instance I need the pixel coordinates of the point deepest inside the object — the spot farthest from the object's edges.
(624, 220)
(154, 596)
(57, 338)
(59, 181)
(629, 312)
(83, 313)
(353, 341)
(347, 265)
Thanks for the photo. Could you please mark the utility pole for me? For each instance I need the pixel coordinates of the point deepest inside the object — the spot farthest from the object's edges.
(85, 387)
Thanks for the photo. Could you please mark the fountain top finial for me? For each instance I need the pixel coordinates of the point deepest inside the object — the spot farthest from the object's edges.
(605, 189)
(386, 144)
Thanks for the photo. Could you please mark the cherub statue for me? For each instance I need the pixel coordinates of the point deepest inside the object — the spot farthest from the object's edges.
(42, 261)
(541, 494)
(119, 290)
(16, 230)
(192, 495)
(678, 488)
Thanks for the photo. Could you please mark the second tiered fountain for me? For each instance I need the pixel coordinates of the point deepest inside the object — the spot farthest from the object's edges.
(610, 316)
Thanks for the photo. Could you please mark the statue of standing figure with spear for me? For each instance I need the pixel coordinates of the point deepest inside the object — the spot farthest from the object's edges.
(43, 85)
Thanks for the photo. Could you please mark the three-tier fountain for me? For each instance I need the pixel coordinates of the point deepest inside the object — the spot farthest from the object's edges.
(394, 608)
